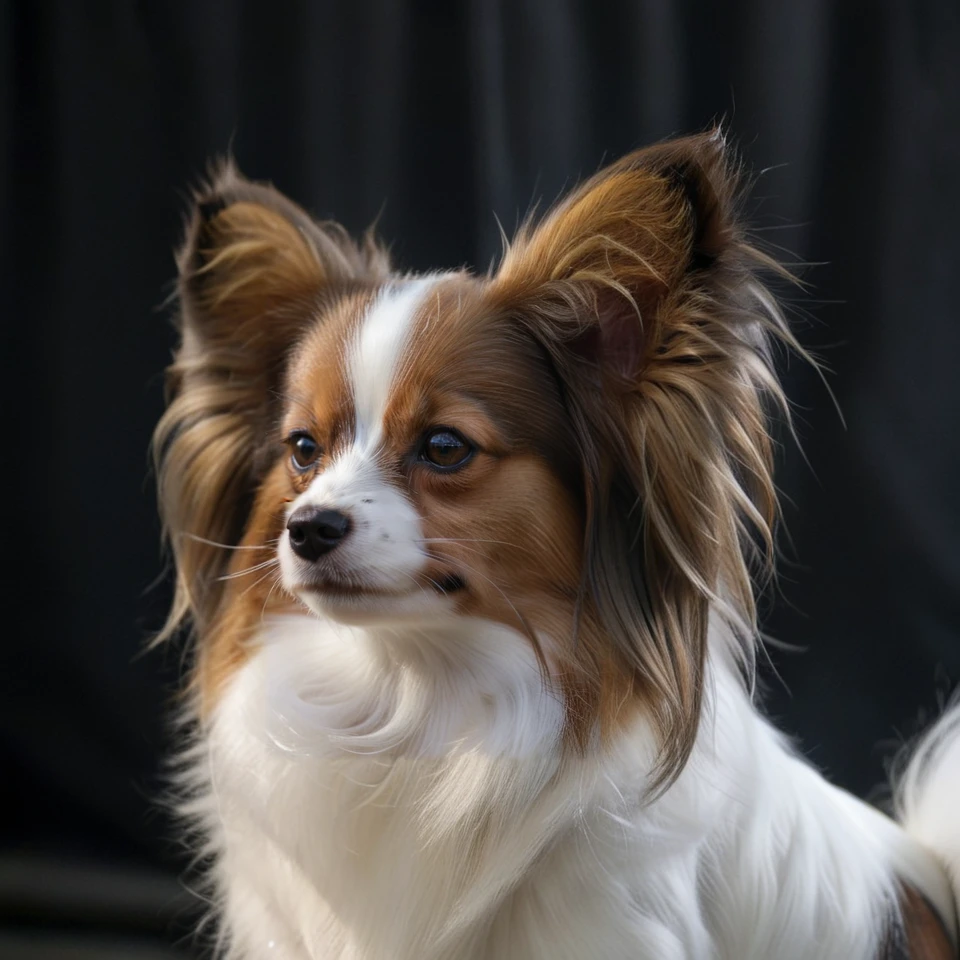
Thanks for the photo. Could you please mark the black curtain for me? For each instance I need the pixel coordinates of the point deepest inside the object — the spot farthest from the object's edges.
(435, 116)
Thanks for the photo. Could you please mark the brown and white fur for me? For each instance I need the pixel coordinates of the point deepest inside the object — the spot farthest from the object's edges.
(469, 562)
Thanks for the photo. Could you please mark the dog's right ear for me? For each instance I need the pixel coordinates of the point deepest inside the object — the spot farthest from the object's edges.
(254, 266)
(254, 272)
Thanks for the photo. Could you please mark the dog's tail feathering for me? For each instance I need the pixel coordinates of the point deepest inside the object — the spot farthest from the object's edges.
(928, 793)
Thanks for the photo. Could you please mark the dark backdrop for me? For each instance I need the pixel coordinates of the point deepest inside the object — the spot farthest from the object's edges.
(436, 115)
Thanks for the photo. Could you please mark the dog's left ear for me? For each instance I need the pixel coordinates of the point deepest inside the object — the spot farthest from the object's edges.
(641, 290)
(621, 245)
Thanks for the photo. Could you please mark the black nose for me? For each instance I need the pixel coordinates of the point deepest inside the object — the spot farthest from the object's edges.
(314, 532)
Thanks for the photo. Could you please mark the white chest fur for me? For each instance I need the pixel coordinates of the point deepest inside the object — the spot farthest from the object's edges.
(364, 803)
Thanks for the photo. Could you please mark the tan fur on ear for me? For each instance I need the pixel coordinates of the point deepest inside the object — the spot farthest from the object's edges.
(250, 261)
(677, 458)
(635, 227)
(255, 272)
(249, 249)
(630, 227)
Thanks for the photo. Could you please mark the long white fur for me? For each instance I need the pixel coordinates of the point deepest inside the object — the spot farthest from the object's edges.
(401, 793)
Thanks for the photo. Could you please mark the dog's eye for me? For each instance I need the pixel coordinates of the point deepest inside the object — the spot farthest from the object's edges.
(305, 451)
(445, 449)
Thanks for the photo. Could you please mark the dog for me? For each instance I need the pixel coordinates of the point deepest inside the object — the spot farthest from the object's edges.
(470, 564)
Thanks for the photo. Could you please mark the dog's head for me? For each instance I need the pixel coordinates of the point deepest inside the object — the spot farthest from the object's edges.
(575, 446)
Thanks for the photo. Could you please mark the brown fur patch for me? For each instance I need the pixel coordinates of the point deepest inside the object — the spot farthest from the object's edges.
(317, 400)
(318, 397)
(252, 590)
(921, 933)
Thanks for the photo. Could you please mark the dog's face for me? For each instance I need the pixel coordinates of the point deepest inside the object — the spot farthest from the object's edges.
(574, 446)
(428, 460)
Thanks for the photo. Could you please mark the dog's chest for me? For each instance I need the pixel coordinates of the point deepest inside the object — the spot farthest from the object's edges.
(344, 827)
(352, 865)
(452, 855)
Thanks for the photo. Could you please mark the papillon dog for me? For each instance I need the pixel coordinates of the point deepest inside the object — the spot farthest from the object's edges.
(470, 565)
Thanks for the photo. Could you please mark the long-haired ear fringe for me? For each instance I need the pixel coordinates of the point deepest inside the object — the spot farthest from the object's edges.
(644, 292)
(253, 271)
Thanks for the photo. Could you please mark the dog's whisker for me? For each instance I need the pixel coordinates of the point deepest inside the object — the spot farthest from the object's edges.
(466, 540)
(228, 546)
(278, 582)
(256, 583)
(273, 561)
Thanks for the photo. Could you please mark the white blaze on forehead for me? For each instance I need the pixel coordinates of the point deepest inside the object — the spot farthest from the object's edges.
(376, 352)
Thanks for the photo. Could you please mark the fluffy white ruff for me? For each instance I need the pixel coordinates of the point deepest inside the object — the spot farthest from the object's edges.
(405, 796)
